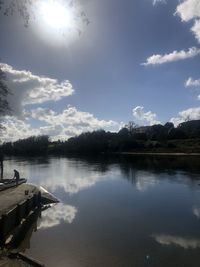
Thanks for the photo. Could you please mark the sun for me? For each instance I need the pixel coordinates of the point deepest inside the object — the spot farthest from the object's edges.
(56, 15)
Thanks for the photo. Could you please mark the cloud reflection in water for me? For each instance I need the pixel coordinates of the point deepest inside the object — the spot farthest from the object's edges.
(196, 212)
(71, 177)
(186, 243)
(144, 180)
(56, 214)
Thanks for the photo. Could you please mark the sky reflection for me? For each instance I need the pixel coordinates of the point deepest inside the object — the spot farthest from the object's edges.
(56, 214)
(186, 243)
(61, 173)
(196, 212)
(110, 208)
(145, 180)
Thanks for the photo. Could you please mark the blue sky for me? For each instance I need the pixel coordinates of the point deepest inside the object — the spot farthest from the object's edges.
(137, 60)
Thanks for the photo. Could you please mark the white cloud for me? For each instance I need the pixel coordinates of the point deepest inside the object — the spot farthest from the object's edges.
(141, 115)
(171, 57)
(56, 214)
(196, 29)
(159, 2)
(13, 129)
(187, 10)
(185, 115)
(191, 82)
(68, 123)
(186, 243)
(190, 10)
(71, 117)
(27, 88)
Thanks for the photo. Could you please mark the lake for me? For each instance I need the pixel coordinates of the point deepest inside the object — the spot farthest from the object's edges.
(131, 211)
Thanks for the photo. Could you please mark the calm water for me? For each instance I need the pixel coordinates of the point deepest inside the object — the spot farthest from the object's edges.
(130, 212)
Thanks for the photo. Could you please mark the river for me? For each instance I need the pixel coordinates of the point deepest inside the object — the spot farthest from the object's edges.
(129, 211)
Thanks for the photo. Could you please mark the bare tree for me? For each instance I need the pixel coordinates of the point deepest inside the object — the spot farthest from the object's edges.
(25, 8)
(4, 108)
(131, 126)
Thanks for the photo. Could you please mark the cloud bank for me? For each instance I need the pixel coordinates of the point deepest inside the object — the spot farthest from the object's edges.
(68, 123)
(71, 117)
(28, 93)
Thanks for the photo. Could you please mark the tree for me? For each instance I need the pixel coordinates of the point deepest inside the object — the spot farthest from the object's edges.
(23, 7)
(169, 125)
(26, 10)
(176, 133)
(131, 126)
(4, 108)
(4, 92)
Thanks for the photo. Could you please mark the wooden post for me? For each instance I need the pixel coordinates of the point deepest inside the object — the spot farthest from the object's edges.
(2, 229)
(1, 165)
(39, 199)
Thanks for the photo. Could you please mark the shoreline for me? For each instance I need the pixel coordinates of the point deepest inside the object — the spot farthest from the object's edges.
(159, 153)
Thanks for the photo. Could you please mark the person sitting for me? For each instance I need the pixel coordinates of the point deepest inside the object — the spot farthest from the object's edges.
(16, 176)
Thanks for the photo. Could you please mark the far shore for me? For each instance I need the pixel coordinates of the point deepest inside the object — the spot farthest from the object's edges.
(160, 153)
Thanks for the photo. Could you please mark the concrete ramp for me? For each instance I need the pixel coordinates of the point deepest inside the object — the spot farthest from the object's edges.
(47, 198)
(20, 207)
(18, 203)
(9, 183)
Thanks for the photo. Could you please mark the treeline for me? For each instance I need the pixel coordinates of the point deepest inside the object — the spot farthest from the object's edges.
(137, 139)
(131, 138)
(34, 145)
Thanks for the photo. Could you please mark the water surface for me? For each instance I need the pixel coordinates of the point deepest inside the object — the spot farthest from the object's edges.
(115, 212)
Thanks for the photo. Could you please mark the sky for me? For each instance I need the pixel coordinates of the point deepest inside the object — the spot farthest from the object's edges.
(109, 63)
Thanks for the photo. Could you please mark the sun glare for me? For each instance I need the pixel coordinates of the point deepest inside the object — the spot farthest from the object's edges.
(57, 15)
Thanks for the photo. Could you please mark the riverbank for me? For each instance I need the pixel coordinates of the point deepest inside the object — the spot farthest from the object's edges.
(20, 207)
(159, 153)
(153, 139)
